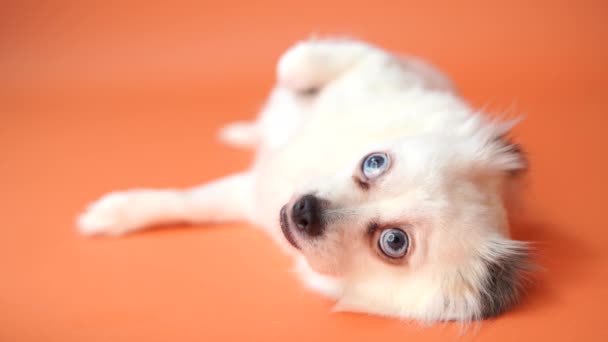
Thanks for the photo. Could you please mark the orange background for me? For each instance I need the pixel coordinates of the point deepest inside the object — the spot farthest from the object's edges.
(97, 96)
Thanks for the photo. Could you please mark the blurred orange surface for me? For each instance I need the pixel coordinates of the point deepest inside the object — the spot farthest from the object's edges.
(98, 96)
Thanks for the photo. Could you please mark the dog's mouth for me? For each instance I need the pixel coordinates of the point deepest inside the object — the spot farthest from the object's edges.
(285, 227)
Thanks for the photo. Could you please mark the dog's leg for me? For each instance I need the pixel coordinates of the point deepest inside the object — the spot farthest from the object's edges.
(227, 199)
(309, 65)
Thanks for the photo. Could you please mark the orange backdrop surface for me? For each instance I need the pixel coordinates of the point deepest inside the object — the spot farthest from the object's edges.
(97, 96)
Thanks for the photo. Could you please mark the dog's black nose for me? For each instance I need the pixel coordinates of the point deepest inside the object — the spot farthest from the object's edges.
(306, 215)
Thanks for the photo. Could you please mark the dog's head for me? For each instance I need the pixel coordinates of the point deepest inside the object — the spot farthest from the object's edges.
(416, 228)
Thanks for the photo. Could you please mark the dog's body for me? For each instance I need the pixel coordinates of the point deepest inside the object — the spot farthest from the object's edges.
(439, 180)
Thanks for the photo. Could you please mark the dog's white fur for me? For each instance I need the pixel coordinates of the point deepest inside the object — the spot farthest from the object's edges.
(335, 102)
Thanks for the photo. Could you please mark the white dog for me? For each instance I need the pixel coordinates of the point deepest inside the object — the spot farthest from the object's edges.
(388, 188)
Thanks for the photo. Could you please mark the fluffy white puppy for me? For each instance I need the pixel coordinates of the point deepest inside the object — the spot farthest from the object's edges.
(389, 189)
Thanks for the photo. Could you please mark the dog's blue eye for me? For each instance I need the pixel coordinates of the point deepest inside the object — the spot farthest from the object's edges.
(393, 243)
(374, 165)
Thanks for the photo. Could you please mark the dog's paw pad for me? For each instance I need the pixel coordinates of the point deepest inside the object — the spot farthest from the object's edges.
(108, 215)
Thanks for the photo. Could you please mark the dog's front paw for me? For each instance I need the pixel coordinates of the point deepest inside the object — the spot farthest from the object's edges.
(108, 215)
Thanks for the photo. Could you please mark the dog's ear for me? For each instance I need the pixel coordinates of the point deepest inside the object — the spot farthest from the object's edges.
(495, 151)
(490, 282)
(510, 155)
(505, 265)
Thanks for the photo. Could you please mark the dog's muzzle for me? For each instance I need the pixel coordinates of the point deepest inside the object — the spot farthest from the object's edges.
(306, 215)
(285, 227)
(304, 218)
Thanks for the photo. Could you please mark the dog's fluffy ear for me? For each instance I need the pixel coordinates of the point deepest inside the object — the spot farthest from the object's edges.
(508, 155)
(495, 151)
(505, 263)
(490, 283)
